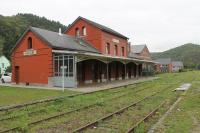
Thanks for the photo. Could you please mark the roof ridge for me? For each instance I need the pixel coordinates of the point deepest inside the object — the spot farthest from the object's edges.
(50, 31)
(86, 44)
(54, 40)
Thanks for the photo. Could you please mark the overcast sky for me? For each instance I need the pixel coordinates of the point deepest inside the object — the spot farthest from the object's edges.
(161, 24)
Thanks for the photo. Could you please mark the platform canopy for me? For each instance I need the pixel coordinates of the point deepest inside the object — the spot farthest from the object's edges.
(104, 58)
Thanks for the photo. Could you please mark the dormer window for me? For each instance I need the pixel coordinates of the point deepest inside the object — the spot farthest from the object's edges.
(77, 32)
(30, 45)
(84, 31)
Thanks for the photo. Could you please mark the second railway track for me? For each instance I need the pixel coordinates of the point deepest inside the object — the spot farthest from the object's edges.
(118, 112)
(69, 112)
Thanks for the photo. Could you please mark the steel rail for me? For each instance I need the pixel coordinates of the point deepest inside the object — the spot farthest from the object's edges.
(134, 127)
(9, 107)
(69, 112)
(12, 117)
(95, 123)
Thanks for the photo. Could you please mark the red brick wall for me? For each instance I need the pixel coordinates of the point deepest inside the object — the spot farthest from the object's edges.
(36, 68)
(146, 54)
(170, 67)
(98, 38)
(157, 67)
(93, 34)
(108, 38)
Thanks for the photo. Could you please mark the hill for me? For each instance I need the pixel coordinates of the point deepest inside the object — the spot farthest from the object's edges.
(188, 53)
(12, 27)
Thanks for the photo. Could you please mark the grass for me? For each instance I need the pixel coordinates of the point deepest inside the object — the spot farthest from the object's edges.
(60, 106)
(121, 123)
(82, 117)
(16, 95)
(103, 105)
(186, 116)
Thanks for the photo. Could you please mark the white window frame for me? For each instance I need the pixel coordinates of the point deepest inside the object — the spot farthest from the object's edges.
(84, 31)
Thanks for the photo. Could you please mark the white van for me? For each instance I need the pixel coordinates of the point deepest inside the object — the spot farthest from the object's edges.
(5, 78)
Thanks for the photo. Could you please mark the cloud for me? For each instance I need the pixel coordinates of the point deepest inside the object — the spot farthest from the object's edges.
(160, 24)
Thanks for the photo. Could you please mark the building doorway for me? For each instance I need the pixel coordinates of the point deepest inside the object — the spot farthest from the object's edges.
(17, 74)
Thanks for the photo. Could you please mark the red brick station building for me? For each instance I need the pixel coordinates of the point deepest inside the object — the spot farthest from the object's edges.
(86, 53)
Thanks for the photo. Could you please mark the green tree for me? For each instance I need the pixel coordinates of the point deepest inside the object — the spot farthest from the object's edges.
(12, 27)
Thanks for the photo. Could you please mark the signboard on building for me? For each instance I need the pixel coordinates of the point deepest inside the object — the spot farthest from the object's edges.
(115, 40)
(30, 52)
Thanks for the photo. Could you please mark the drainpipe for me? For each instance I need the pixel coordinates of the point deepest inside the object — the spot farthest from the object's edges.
(75, 73)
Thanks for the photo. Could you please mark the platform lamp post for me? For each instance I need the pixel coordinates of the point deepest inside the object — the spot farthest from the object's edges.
(63, 76)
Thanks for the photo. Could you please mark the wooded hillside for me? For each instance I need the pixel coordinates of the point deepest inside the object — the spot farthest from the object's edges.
(188, 53)
(12, 27)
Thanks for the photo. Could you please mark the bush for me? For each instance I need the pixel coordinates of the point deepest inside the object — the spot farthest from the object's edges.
(182, 70)
(9, 69)
(157, 72)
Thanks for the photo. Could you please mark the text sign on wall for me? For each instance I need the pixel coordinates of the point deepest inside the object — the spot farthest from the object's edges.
(30, 52)
(115, 40)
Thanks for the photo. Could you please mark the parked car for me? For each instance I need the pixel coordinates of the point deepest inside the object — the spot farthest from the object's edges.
(6, 77)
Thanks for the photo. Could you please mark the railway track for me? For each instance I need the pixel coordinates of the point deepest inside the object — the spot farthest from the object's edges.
(17, 106)
(69, 112)
(118, 112)
(30, 113)
(144, 119)
(153, 112)
(116, 97)
(94, 124)
(61, 114)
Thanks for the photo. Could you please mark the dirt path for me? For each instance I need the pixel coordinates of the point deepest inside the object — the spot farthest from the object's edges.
(196, 125)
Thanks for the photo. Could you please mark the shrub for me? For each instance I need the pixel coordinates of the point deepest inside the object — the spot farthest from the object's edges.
(182, 70)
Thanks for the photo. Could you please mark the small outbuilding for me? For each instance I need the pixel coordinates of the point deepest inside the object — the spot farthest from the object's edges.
(177, 66)
(164, 65)
(167, 65)
(142, 52)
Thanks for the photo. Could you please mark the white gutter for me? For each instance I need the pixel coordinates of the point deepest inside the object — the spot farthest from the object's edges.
(99, 55)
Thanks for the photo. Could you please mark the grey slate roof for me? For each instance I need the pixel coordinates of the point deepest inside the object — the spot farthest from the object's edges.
(164, 61)
(177, 63)
(102, 27)
(137, 48)
(63, 41)
(133, 55)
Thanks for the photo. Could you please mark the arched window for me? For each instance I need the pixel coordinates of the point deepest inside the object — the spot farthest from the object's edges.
(115, 50)
(123, 51)
(30, 45)
(77, 32)
(84, 31)
(107, 48)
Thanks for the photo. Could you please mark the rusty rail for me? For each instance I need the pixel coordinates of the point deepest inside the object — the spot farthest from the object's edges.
(95, 123)
(8, 118)
(133, 129)
(9, 107)
(65, 113)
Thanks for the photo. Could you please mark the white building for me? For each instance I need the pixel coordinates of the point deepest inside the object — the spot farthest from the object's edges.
(4, 64)
(176, 66)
